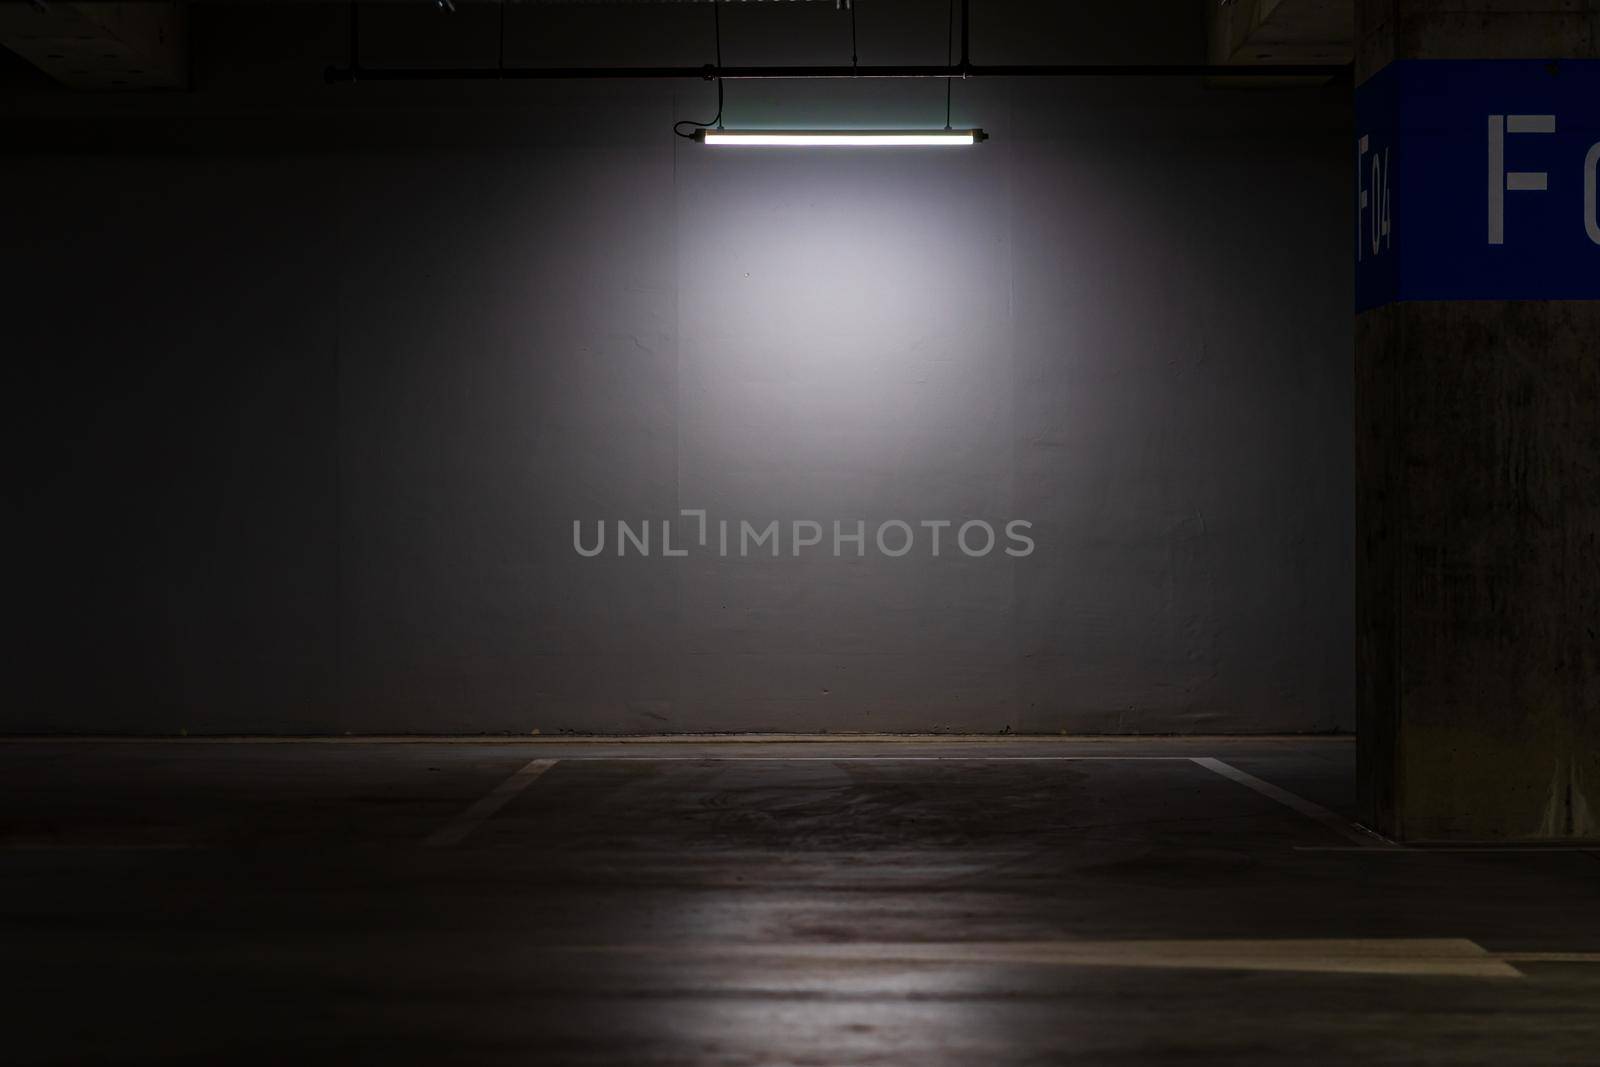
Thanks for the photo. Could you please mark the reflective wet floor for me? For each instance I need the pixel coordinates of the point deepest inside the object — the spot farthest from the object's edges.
(934, 902)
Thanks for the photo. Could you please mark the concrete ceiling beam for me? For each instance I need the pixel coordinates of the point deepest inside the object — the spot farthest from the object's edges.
(101, 46)
(1281, 32)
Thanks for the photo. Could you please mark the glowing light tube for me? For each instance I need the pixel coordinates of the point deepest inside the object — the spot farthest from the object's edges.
(839, 138)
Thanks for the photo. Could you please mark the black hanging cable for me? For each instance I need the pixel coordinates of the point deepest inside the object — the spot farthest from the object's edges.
(966, 42)
(854, 60)
(949, 55)
(716, 26)
(355, 39)
(501, 65)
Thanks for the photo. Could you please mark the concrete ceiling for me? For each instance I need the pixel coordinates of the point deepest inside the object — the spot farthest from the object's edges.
(143, 45)
(1245, 32)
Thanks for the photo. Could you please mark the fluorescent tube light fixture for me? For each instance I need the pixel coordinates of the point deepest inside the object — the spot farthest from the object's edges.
(839, 138)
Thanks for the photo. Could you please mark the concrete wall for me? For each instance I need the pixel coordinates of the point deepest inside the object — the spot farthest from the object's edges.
(314, 383)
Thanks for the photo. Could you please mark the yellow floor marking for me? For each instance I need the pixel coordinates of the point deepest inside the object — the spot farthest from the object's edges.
(1447, 957)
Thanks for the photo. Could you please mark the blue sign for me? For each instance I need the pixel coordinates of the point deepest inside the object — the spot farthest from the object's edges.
(1477, 180)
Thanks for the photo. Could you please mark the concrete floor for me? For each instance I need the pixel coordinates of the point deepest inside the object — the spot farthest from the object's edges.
(834, 903)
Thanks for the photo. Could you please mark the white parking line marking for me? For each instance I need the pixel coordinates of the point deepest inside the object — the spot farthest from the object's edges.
(1455, 850)
(1340, 826)
(462, 825)
(865, 759)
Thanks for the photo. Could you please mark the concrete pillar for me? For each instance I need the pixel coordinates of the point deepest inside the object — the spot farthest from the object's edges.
(1478, 419)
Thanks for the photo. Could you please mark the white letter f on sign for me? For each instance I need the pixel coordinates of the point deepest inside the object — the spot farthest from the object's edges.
(1518, 180)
